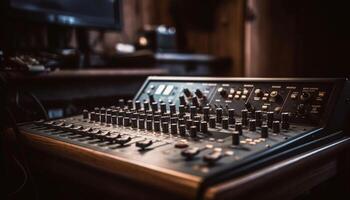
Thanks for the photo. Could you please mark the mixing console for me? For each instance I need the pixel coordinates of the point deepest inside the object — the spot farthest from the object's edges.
(204, 129)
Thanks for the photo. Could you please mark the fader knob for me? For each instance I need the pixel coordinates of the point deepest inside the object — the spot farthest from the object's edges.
(141, 124)
(149, 125)
(138, 105)
(231, 116)
(225, 123)
(264, 131)
(172, 109)
(182, 100)
(121, 103)
(146, 106)
(181, 110)
(133, 123)
(154, 106)
(151, 98)
(238, 128)
(258, 117)
(195, 101)
(182, 129)
(85, 114)
(193, 111)
(193, 131)
(206, 113)
(244, 117)
(187, 92)
(109, 118)
(165, 127)
(157, 126)
(130, 104)
(103, 118)
(163, 108)
(218, 115)
(212, 122)
(285, 120)
(199, 93)
(126, 121)
(120, 120)
(276, 126)
(235, 138)
(114, 119)
(270, 119)
(252, 125)
(204, 127)
(92, 116)
(173, 129)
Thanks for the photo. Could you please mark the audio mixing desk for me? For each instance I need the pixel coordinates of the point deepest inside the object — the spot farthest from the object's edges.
(185, 134)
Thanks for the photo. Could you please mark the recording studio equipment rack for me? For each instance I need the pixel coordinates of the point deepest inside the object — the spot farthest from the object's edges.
(184, 134)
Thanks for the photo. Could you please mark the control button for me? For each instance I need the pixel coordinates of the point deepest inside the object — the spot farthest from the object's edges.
(189, 153)
(182, 110)
(305, 96)
(235, 138)
(120, 120)
(189, 123)
(264, 131)
(232, 91)
(168, 90)
(144, 144)
(236, 96)
(222, 92)
(197, 124)
(121, 103)
(275, 97)
(213, 157)
(276, 126)
(163, 108)
(258, 92)
(245, 91)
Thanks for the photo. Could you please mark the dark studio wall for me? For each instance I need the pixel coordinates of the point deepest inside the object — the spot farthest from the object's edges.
(297, 38)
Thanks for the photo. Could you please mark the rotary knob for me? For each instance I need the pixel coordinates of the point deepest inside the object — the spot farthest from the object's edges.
(222, 92)
(187, 92)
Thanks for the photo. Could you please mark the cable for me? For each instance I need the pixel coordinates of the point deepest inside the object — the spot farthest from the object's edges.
(25, 180)
(37, 101)
(20, 147)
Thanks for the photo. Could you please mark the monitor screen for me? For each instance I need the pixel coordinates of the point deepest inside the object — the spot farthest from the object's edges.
(89, 13)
